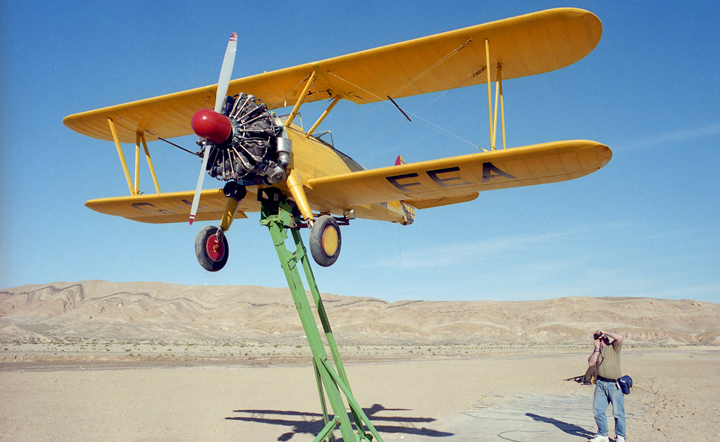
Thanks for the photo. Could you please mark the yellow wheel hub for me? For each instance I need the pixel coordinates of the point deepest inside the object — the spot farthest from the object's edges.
(330, 241)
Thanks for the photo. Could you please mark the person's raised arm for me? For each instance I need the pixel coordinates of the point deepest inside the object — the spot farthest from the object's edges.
(592, 360)
(616, 336)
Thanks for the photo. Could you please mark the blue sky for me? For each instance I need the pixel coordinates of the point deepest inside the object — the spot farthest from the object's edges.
(648, 224)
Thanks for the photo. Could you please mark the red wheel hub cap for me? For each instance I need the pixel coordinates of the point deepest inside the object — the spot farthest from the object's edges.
(215, 249)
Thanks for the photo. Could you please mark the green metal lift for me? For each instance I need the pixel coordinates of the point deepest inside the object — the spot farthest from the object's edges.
(279, 216)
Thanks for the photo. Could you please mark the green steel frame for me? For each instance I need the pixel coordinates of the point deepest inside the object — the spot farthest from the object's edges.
(278, 215)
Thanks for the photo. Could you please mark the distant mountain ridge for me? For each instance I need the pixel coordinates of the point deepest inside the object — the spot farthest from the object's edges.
(183, 313)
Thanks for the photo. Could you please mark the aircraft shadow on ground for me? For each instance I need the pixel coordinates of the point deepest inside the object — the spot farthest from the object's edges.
(568, 428)
(300, 422)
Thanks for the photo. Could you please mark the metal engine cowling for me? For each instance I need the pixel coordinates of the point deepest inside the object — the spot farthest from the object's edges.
(257, 150)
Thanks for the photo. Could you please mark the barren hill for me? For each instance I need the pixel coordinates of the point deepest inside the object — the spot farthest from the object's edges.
(159, 311)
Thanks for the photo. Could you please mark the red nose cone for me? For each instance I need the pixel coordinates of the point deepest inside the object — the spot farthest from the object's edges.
(208, 124)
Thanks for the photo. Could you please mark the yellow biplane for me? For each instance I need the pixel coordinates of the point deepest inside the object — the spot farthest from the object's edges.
(246, 145)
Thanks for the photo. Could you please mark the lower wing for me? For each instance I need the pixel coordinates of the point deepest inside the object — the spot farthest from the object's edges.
(459, 179)
(422, 185)
(171, 207)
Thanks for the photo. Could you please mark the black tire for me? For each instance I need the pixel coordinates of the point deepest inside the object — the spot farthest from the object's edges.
(325, 241)
(211, 255)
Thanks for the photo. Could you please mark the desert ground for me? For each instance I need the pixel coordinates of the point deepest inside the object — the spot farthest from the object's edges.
(98, 361)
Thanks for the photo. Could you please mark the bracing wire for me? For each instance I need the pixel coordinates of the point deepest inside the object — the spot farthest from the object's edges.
(423, 121)
(159, 137)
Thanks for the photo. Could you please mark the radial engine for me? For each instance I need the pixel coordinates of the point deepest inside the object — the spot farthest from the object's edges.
(250, 143)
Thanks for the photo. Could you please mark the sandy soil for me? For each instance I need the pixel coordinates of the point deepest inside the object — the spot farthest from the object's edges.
(428, 395)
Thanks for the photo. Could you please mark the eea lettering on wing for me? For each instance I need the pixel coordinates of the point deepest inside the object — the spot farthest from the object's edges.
(447, 177)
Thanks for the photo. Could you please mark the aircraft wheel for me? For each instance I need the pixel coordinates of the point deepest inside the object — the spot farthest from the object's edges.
(211, 253)
(325, 241)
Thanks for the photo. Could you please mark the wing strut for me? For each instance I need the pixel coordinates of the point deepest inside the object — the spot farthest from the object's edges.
(322, 117)
(141, 138)
(122, 156)
(498, 97)
(134, 185)
(301, 99)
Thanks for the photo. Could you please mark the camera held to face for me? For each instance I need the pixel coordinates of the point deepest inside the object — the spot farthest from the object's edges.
(597, 335)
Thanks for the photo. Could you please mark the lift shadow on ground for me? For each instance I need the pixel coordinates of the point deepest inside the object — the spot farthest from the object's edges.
(388, 421)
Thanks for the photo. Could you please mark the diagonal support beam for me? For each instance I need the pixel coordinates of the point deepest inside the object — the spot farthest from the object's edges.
(122, 156)
(300, 99)
(322, 117)
(141, 136)
(277, 215)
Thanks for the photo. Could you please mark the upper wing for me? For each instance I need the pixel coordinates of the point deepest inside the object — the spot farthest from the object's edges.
(458, 179)
(525, 45)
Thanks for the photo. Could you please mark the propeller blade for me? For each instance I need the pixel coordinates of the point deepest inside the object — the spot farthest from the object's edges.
(223, 84)
(226, 72)
(198, 188)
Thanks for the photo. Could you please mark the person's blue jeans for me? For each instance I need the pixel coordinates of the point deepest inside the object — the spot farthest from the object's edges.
(609, 393)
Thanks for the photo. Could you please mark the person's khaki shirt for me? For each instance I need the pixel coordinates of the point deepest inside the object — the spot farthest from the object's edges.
(609, 367)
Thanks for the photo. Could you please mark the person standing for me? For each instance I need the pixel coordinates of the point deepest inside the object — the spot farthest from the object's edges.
(606, 356)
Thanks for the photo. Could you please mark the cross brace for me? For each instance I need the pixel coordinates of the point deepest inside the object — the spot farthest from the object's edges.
(278, 215)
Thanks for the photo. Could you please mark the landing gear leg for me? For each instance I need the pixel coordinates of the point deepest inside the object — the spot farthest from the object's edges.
(277, 215)
(211, 246)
